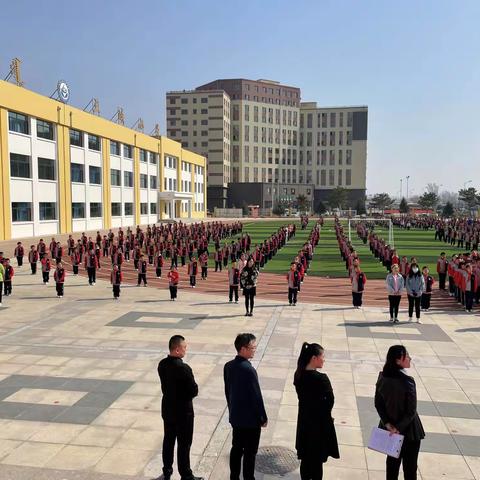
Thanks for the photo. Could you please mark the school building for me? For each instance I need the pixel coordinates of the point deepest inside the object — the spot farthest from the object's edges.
(65, 170)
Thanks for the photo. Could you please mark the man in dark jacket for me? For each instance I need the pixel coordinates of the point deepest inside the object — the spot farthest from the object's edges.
(179, 389)
(245, 405)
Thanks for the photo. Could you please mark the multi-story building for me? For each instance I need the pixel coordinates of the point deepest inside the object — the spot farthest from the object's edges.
(65, 170)
(200, 120)
(275, 140)
(333, 149)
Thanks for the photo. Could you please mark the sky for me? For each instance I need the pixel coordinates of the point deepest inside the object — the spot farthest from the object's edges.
(414, 63)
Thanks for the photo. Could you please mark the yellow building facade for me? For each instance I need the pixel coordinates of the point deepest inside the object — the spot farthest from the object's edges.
(64, 170)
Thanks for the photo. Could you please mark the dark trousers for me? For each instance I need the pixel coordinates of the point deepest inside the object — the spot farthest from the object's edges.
(409, 457)
(180, 431)
(1, 291)
(46, 276)
(311, 468)
(292, 295)
(244, 444)
(249, 300)
(193, 280)
(7, 287)
(33, 266)
(116, 291)
(19, 261)
(59, 288)
(394, 301)
(413, 302)
(158, 272)
(92, 275)
(425, 302)
(218, 265)
(357, 299)
(75, 269)
(233, 290)
(469, 296)
(441, 280)
(204, 273)
(173, 291)
(142, 277)
(451, 285)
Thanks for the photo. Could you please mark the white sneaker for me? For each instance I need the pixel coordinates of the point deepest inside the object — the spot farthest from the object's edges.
(418, 320)
(410, 319)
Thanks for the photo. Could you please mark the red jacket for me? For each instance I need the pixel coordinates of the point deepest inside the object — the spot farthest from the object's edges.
(59, 275)
(116, 277)
(173, 278)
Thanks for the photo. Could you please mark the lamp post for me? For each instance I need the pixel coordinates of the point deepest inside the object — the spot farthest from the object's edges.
(407, 177)
(401, 188)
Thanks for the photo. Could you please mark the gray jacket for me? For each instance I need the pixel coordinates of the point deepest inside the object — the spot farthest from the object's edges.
(415, 285)
(390, 281)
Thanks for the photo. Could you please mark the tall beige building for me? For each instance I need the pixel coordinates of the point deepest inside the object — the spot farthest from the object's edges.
(270, 137)
(200, 120)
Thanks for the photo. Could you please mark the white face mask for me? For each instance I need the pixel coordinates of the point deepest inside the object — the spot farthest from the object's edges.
(414, 269)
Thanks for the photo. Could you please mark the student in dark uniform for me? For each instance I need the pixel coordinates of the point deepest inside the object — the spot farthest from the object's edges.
(192, 271)
(59, 277)
(116, 280)
(33, 259)
(158, 264)
(427, 294)
(179, 389)
(19, 253)
(396, 404)
(8, 277)
(142, 271)
(246, 409)
(316, 437)
(233, 282)
(46, 267)
(91, 264)
(173, 279)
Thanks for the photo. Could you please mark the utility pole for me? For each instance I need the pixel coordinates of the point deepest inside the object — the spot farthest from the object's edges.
(408, 176)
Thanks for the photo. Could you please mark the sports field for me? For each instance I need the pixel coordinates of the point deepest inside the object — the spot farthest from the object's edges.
(327, 261)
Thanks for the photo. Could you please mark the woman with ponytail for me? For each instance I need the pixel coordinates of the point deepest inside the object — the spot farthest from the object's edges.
(396, 404)
(316, 436)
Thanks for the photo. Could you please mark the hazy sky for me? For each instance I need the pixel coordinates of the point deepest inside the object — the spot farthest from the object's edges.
(416, 64)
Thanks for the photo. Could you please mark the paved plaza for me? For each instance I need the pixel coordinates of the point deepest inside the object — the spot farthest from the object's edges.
(80, 395)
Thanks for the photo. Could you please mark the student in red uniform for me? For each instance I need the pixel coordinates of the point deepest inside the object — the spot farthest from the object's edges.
(204, 264)
(76, 260)
(218, 260)
(293, 279)
(442, 267)
(359, 279)
(173, 279)
(469, 286)
(19, 252)
(91, 264)
(404, 267)
(59, 277)
(192, 271)
(116, 278)
(46, 267)
(33, 259)
(234, 282)
(142, 271)
(7, 278)
(158, 264)
(427, 294)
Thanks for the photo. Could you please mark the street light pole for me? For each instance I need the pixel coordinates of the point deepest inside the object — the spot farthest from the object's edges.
(401, 188)
(407, 177)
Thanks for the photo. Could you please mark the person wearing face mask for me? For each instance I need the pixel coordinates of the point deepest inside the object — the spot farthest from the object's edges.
(248, 282)
(415, 285)
(395, 285)
(316, 439)
(396, 404)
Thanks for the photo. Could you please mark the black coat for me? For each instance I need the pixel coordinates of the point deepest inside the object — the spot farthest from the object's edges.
(244, 398)
(178, 387)
(396, 403)
(316, 436)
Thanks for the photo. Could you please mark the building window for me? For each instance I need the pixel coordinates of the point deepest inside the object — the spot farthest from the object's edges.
(95, 210)
(332, 157)
(153, 208)
(21, 212)
(323, 178)
(48, 211)
(348, 177)
(20, 166)
(127, 151)
(143, 208)
(95, 175)
(143, 180)
(114, 148)
(331, 177)
(349, 157)
(340, 177)
(18, 123)
(116, 209)
(349, 119)
(153, 182)
(94, 142)
(153, 158)
(204, 100)
(46, 169)
(115, 178)
(349, 138)
(333, 122)
(143, 156)
(184, 100)
(45, 130)
(128, 209)
(78, 210)
(127, 179)
(77, 171)
(76, 138)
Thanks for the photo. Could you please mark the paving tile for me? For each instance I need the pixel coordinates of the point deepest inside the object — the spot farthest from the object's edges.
(32, 454)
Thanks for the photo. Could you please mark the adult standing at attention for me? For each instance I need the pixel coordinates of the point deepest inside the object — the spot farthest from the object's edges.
(245, 406)
(179, 389)
(396, 404)
(415, 285)
(248, 282)
(395, 285)
(316, 436)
